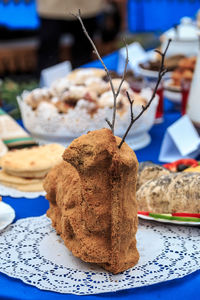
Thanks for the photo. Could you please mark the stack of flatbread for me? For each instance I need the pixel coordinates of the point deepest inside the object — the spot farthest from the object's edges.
(26, 168)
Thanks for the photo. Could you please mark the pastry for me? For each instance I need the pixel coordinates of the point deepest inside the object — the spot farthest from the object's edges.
(92, 200)
(4, 177)
(32, 162)
(184, 71)
(26, 168)
(80, 75)
(148, 171)
(28, 187)
(175, 192)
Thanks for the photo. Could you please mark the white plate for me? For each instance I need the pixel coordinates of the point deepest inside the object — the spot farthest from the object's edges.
(166, 252)
(169, 221)
(172, 93)
(12, 192)
(174, 97)
(151, 74)
(7, 215)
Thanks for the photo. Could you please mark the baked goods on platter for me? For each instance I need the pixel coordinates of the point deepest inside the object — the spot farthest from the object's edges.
(25, 169)
(164, 192)
(80, 102)
(23, 184)
(79, 76)
(176, 192)
(184, 71)
(92, 200)
(148, 171)
(171, 63)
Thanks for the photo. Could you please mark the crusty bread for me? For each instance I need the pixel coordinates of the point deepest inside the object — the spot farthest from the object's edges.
(175, 192)
(148, 171)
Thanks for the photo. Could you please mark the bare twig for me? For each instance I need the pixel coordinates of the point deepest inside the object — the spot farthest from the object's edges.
(115, 94)
(131, 105)
(161, 73)
(109, 124)
(119, 88)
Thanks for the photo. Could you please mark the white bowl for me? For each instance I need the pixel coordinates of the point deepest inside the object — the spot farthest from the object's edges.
(172, 93)
(46, 125)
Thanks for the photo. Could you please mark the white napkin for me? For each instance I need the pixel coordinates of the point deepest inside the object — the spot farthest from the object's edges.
(180, 140)
(50, 74)
(136, 55)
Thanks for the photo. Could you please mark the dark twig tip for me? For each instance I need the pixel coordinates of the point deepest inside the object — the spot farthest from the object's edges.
(158, 51)
(109, 124)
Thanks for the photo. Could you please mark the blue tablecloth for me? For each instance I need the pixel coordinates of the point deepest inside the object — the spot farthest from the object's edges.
(185, 288)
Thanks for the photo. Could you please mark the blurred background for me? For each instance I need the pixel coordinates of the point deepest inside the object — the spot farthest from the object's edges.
(20, 35)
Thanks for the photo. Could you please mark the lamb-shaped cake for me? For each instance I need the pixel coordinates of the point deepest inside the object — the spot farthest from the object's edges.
(92, 200)
(92, 193)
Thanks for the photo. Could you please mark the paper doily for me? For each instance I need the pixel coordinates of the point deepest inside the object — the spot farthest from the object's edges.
(8, 191)
(31, 250)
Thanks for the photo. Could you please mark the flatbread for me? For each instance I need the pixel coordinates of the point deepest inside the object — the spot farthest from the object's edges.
(28, 174)
(32, 187)
(4, 177)
(32, 162)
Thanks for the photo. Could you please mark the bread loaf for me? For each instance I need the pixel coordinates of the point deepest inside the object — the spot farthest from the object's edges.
(148, 171)
(175, 192)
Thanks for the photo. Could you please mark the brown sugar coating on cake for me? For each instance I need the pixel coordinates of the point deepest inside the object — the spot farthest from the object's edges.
(92, 200)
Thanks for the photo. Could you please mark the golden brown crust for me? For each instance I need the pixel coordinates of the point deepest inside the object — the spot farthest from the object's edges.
(5, 177)
(32, 162)
(92, 200)
(32, 187)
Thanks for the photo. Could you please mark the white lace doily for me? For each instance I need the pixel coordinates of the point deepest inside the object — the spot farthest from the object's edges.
(8, 191)
(31, 251)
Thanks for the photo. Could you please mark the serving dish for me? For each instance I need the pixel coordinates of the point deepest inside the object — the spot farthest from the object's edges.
(47, 124)
(172, 92)
(177, 218)
(166, 253)
(151, 73)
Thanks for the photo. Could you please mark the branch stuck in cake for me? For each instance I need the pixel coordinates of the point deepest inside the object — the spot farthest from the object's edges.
(115, 94)
(161, 73)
